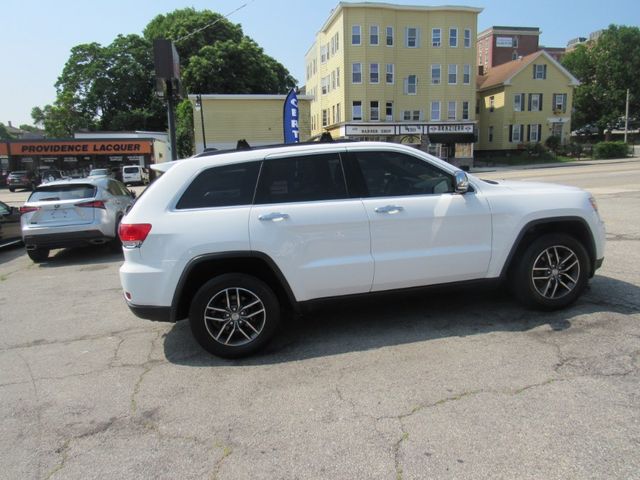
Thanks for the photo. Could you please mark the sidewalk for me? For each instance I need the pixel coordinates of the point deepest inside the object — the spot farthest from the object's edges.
(576, 163)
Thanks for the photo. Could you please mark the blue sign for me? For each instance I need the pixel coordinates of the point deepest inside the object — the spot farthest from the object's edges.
(290, 118)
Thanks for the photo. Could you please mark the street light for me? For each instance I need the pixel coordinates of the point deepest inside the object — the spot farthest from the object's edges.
(200, 108)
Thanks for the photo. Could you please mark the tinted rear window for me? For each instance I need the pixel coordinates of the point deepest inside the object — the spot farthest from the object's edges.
(63, 192)
(130, 169)
(223, 186)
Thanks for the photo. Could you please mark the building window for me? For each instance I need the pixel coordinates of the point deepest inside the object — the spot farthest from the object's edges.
(514, 42)
(374, 111)
(453, 37)
(374, 74)
(355, 35)
(466, 74)
(323, 54)
(534, 133)
(333, 80)
(338, 114)
(491, 134)
(411, 115)
(388, 111)
(389, 73)
(338, 76)
(356, 110)
(411, 85)
(373, 35)
(389, 36)
(535, 102)
(518, 102)
(453, 74)
(514, 55)
(539, 72)
(435, 111)
(325, 117)
(467, 38)
(324, 83)
(412, 40)
(451, 111)
(492, 103)
(465, 110)
(435, 74)
(356, 73)
(516, 133)
(435, 37)
(559, 102)
(477, 106)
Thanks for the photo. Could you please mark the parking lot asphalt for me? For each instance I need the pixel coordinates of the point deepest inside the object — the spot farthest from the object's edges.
(446, 384)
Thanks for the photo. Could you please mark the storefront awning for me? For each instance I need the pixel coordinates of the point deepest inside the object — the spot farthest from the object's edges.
(452, 138)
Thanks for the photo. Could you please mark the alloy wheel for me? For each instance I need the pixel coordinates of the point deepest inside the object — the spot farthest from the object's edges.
(556, 271)
(235, 316)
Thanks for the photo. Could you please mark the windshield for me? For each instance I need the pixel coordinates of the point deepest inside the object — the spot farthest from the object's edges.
(62, 192)
(99, 171)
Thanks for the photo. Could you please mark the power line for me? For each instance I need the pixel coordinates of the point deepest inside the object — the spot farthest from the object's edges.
(214, 22)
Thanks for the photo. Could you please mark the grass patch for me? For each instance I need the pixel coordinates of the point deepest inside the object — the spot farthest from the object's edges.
(522, 159)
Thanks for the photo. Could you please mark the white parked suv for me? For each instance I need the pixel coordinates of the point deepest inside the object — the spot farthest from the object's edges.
(230, 239)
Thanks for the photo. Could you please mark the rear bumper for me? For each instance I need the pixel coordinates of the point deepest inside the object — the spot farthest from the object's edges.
(157, 314)
(66, 239)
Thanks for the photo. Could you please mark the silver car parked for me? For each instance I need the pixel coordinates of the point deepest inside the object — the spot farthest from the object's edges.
(73, 213)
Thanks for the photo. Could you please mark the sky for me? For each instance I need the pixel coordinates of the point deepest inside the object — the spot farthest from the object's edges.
(37, 36)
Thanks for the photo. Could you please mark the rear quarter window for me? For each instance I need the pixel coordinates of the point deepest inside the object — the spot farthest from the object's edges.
(223, 186)
(63, 192)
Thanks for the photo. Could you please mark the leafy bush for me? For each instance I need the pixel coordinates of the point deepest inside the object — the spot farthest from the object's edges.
(534, 149)
(610, 150)
(552, 142)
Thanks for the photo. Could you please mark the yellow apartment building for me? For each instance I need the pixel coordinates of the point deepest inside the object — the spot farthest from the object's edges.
(524, 101)
(396, 73)
(254, 118)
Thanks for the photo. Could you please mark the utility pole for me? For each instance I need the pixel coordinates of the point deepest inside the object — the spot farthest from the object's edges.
(200, 108)
(626, 118)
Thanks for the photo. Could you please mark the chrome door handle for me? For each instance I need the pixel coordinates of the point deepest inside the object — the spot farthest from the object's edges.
(391, 209)
(273, 217)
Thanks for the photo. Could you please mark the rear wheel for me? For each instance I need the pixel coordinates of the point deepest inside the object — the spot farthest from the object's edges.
(552, 273)
(234, 315)
(38, 254)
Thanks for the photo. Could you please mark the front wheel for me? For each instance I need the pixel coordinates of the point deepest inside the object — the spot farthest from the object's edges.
(234, 315)
(552, 273)
(38, 255)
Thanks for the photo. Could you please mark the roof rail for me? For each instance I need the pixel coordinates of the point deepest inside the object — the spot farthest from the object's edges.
(242, 144)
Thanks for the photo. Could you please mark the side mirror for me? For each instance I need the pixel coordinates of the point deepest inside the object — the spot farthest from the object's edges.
(462, 182)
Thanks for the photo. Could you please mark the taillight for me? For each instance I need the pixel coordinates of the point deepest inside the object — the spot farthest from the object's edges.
(93, 204)
(133, 234)
(24, 209)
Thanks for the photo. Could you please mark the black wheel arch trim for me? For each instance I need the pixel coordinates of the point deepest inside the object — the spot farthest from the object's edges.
(240, 254)
(591, 248)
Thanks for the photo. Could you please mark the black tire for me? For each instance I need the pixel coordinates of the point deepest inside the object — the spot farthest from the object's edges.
(115, 245)
(12, 189)
(562, 270)
(38, 255)
(259, 327)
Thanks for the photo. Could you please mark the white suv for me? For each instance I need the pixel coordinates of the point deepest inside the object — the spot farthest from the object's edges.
(229, 239)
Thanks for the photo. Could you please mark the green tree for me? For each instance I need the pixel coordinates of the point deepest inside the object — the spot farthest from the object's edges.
(606, 68)
(184, 129)
(236, 67)
(4, 134)
(112, 87)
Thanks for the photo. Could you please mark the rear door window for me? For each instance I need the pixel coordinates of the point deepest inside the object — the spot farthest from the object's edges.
(301, 179)
(222, 186)
(63, 192)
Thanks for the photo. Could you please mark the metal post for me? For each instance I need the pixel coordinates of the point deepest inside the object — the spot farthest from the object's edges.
(200, 106)
(626, 118)
(172, 120)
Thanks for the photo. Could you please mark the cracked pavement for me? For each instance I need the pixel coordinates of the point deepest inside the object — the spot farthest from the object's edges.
(446, 384)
